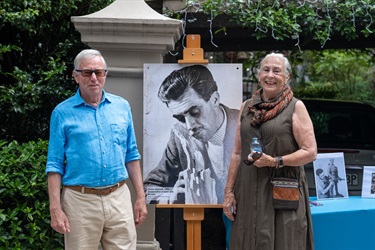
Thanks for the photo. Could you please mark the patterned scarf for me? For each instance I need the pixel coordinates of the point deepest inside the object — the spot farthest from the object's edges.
(265, 111)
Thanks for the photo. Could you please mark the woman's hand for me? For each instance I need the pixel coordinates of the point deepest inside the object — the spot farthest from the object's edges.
(264, 161)
(230, 205)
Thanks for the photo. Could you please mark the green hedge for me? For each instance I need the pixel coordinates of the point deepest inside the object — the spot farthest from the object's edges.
(24, 207)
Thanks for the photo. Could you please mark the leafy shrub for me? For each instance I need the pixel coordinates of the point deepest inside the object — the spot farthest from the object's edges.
(313, 90)
(24, 206)
(36, 62)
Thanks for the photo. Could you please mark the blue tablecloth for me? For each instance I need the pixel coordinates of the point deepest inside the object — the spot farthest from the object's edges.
(344, 224)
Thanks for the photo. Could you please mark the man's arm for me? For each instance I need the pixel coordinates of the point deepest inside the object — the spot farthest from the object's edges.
(59, 221)
(324, 186)
(135, 175)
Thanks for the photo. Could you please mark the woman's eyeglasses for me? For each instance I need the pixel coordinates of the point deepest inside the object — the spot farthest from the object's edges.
(88, 72)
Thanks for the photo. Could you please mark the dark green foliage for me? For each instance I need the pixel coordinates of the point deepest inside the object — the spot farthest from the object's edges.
(38, 43)
(329, 74)
(289, 19)
(24, 207)
(310, 90)
(336, 74)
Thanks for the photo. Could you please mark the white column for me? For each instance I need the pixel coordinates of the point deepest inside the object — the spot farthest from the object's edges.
(129, 33)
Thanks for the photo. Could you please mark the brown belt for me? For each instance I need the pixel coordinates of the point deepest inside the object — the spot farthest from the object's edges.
(97, 191)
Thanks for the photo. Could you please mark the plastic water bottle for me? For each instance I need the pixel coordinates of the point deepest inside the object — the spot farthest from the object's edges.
(255, 148)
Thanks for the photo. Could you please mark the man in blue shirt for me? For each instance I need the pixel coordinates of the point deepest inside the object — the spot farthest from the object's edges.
(92, 151)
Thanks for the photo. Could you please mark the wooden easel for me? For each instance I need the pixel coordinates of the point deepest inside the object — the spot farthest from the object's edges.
(193, 213)
(193, 53)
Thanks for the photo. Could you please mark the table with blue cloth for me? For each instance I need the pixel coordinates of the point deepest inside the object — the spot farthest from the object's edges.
(344, 224)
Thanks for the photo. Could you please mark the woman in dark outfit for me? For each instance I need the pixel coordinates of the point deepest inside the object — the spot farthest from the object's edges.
(285, 129)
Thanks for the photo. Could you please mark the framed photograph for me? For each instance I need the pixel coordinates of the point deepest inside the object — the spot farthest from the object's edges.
(368, 184)
(190, 116)
(330, 176)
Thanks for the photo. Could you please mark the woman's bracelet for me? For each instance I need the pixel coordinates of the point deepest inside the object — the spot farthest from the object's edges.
(279, 162)
(276, 162)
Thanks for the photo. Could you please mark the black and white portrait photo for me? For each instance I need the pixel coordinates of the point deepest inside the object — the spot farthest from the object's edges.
(190, 117)
(368, 184)
(330, 176)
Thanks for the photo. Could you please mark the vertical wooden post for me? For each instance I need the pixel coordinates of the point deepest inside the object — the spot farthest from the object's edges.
(193, 217)
(193, 53)
(193, 214)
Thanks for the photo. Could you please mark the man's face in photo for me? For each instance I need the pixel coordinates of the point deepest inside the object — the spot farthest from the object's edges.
(196, 114)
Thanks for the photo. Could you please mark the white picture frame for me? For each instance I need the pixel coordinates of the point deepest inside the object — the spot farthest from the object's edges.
(330, 176)
(368, 184)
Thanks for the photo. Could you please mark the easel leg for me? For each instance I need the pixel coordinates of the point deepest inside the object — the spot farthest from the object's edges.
(193, 217)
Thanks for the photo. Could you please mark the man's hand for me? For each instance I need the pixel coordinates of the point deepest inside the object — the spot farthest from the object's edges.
(59, 221)
(140, 211)
(197, 187)
(179, 188)
(201, 188)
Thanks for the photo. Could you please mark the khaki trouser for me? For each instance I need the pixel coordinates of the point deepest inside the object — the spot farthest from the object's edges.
(98, 219)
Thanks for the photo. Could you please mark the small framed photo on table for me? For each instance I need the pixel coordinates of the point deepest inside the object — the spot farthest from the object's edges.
(368, 184)
(330, 176)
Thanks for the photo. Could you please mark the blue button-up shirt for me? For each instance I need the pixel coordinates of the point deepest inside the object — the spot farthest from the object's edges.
(89, 146)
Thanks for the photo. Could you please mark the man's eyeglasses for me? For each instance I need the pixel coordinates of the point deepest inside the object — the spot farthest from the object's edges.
(88, 72)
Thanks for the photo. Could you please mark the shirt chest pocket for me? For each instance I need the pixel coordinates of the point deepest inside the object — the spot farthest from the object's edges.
(119, 133)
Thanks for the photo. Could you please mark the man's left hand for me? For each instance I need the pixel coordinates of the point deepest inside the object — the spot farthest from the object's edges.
(140, 211)
(200, 188)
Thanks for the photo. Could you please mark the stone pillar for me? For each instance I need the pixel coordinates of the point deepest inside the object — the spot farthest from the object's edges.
(129, 33)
